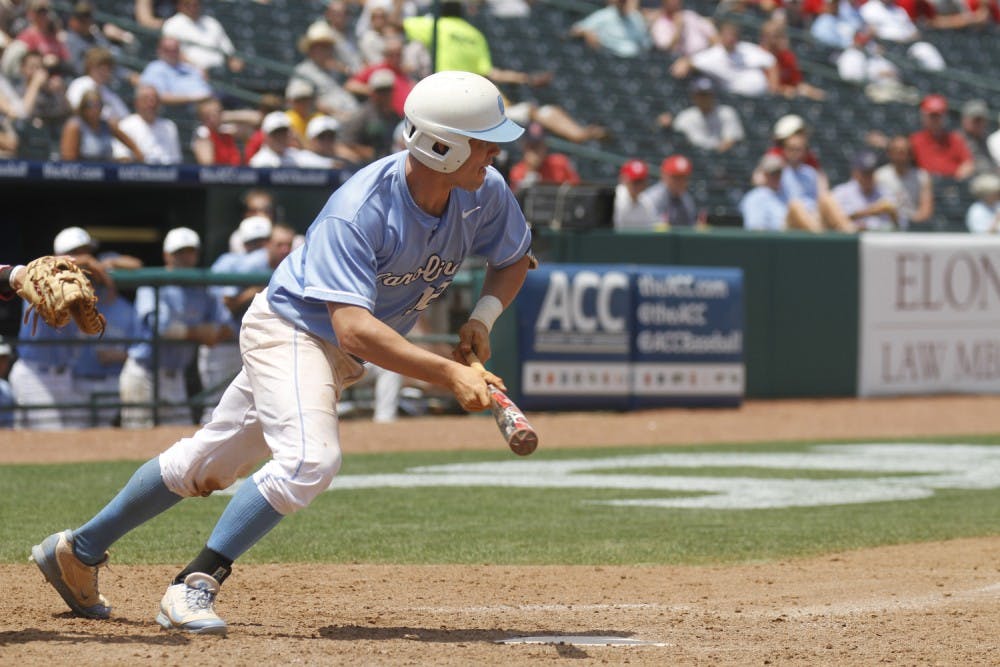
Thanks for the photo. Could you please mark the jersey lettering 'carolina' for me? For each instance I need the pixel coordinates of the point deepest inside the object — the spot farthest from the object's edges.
(429, 272)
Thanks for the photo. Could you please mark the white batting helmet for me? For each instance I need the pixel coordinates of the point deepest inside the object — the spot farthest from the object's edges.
(445, 110)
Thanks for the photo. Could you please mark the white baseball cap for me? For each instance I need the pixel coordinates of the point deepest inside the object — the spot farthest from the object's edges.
(787, 126)
(180, 238)
(71, 238)
(382, 78)
(275, 121)
(5, 349)
(321, 124)
(255, 227)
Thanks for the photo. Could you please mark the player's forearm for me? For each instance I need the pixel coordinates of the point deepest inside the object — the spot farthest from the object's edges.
(360, 334)
(505, 283)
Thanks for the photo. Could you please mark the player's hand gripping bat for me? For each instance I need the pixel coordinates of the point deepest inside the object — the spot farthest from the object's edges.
(519, 434)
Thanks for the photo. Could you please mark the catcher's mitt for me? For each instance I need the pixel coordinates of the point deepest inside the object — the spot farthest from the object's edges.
(56, 290)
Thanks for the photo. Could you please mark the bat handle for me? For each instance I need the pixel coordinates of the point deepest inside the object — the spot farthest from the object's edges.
(473, 360)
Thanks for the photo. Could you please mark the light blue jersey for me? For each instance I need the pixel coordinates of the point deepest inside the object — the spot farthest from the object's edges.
(187, 305)
(121, 323)
(372, 246)
(47, 356)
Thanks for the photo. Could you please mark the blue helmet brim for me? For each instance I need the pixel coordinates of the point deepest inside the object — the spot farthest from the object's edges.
(505, 132)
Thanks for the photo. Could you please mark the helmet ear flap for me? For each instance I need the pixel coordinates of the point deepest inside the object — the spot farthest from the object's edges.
(441, 151)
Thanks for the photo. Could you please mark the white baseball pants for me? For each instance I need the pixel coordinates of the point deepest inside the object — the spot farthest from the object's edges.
(217, 364)
(136, 386)
(34, 384)
(282, 405)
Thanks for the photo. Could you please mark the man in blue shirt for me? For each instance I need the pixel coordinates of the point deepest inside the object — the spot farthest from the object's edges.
(766, 208)
(387, 243)
(619, 28)
(176, 81)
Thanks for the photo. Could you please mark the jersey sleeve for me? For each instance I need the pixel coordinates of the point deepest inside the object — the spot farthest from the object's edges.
(339, 264)
(505, 237)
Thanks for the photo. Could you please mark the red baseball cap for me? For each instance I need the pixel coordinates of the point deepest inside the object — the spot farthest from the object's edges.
(676, 165)
(634, 170)
(934, 104)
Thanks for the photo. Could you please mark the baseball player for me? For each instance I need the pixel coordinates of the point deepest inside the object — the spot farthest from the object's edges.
(186, 313)
(387, 244)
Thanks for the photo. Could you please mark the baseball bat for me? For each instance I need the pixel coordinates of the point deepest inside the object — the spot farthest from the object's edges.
(521, 437)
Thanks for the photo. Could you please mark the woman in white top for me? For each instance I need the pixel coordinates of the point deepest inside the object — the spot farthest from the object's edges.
(984, 215)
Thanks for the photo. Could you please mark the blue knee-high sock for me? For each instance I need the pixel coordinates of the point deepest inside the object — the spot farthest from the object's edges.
(247, 518)
(143, 497)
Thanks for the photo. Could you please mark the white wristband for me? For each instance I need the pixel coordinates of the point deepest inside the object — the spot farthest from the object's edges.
(13, 272)
(487, 310)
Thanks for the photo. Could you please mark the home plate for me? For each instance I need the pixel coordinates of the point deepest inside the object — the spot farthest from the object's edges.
(580, 640)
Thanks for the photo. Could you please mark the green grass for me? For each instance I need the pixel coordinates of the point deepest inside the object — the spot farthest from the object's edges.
(499, 525)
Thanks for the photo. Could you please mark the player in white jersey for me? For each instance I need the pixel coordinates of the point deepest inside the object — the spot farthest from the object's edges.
(387, 243)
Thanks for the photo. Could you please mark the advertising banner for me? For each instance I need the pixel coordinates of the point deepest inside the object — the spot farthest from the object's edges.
(595, 336)
(688, 342)
(930, 314)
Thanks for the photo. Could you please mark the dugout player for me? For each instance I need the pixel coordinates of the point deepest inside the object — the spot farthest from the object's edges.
(387, 243)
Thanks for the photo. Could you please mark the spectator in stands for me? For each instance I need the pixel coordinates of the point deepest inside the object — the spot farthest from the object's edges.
(9, 140)
(789, 125)
(707, 124)
(82, 34)
(908, 186)
(204, 42)
(538, 165)
(7, 402)
(462, 47)
(392, 60)
(87, 137)
(618, 28)
(631, 211)
(42, 34)
(152, 13)
(741, 68)
(42, 94)
(370, 130)
(766, 207)
(836, 25)
(326, 150)
(788, 77)
(670, 200)
(937, 149)
(13, 19)
(348, 56)
(682, 33)
(860, 198)
(186, 313)
(890, 22)
(993, 145)
(974, 131)
(983, 216)
(177, 82)
(301, 98)
(324, 71)
(864, 63)
(802, 182)
(156, 137)
(210, 144)
(945, 15)
(371, 42)
(99, 65)
(277, 150)
(265, 258)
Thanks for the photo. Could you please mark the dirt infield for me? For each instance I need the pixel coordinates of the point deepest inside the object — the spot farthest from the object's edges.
(913, 604)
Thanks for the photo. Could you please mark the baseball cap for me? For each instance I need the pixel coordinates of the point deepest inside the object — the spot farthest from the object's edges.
(975, 109)
(321, 124)
(984, 184)
(676, 165)
(770, 163)
(276, 120)
(83, 8)
(788, 125)
(865, 161)
(71, 238)
(318, 33)
(702, 84)
(5, 348)
(298, 88)
(255, 227)
(634, 170)
(381, 79)
(179, 238)
(934, 104)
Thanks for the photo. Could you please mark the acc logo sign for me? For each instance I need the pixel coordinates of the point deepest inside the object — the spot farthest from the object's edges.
(911, 472)
(582, 303)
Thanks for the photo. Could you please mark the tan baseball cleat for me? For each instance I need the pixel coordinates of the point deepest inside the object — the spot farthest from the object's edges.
(74, 580)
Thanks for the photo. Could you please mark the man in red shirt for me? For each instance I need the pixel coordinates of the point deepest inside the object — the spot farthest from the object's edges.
(43, 34)
(392, 54)
(937, 149)
(538, 165)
